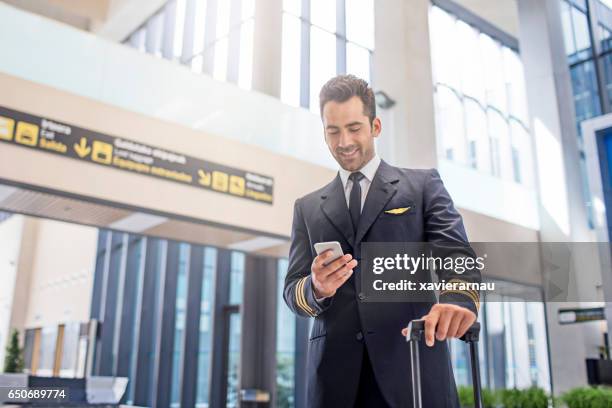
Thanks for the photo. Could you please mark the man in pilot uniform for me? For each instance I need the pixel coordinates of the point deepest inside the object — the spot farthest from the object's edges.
(357, 354)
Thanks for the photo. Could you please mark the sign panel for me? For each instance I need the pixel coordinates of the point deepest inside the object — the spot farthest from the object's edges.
(569, 316)
(51, 136)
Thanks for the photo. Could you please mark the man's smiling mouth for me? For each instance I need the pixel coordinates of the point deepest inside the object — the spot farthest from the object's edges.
(350, 154)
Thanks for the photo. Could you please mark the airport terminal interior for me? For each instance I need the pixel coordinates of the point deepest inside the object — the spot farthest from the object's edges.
(151, 152)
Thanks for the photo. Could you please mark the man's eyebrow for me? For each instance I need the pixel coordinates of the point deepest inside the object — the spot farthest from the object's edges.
(354, 124)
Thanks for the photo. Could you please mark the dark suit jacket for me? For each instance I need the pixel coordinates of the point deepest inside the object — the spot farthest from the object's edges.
(344, 324)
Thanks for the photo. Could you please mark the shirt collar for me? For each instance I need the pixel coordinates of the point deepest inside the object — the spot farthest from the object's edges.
(369, 170)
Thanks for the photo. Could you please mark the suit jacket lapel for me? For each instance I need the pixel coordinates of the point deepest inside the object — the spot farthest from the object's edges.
(380, 192)
(333, 204)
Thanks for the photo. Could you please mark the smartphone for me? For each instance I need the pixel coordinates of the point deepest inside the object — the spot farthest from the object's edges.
(335, 247)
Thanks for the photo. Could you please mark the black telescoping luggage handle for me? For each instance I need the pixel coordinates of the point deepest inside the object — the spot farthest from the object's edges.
(416, 329)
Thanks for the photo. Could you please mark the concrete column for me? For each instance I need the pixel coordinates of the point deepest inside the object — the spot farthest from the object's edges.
(258, 342)
(402, 69)
(267, 47)
(562, 211)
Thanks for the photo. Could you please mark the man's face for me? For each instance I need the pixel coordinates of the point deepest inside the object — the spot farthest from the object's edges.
(349, 134)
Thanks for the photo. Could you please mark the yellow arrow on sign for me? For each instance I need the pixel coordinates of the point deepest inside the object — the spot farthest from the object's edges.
(204, 178)
(82, 149)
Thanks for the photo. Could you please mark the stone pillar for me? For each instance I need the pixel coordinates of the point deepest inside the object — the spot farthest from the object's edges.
(562, 210)
(267, 47)
(402, 69)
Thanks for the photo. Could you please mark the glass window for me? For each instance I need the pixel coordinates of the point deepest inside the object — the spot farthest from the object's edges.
(494, 73)
(28, 349)
(312, 42)
(158, 272)
(155, 31)
(459, 354)
(357, 60)
(472, 64)
(285, 344)
(236, 278)
(233, 363)
(538, 346)
(137, 40)
(581, 30)
(134, 297)
(584, 84)
(179, 29)
(445, 50)
(360, 22)
(496, 341)
(515, 85)
(605, 35)
(245, 66)
(205, 338)
(291, 55)
(450, 126)
(178, 32)
(199, 24)
(575, 31)
(221, 48)
(293, 7)
(568, 34)
(323, 14)
(516, 351)
(607, 68)
(70, 348)
(179, 322)
(517, 323)
(479, 89)
(522, 157)
(46, 359)
(322, 63)
(223, 18)
(247, 9)
(501, 155)
(479, 156)
(587, 100)
(235, 326)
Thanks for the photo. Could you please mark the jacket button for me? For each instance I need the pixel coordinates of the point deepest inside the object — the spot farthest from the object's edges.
(359, 336)
(361, 296)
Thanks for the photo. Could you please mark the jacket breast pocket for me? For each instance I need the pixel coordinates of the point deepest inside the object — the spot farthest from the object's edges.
(318, 331)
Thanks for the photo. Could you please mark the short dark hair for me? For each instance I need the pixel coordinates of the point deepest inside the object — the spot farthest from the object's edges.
(343, 87)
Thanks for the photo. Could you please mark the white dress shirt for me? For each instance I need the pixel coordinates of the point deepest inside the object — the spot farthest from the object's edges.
(369, 170)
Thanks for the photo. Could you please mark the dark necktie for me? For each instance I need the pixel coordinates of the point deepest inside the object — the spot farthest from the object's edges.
(355, 199)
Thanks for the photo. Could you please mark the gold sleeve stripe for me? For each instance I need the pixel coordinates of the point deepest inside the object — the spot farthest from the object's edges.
(470, 295)
(300, 299)
(473, 292)
(303, 294)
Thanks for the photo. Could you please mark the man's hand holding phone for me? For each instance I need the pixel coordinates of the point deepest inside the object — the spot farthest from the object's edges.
(328, 276)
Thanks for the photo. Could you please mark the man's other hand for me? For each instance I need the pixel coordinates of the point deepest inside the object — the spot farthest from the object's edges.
(445, 321)
(326, 279)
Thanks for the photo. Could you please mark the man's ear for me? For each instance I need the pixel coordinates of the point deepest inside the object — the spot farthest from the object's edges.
(376, 127)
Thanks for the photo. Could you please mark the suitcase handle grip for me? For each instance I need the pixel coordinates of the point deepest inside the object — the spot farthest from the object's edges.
(416, 329)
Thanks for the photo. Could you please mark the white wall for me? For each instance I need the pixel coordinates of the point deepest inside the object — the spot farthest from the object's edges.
(10, 243)
(62, 268)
